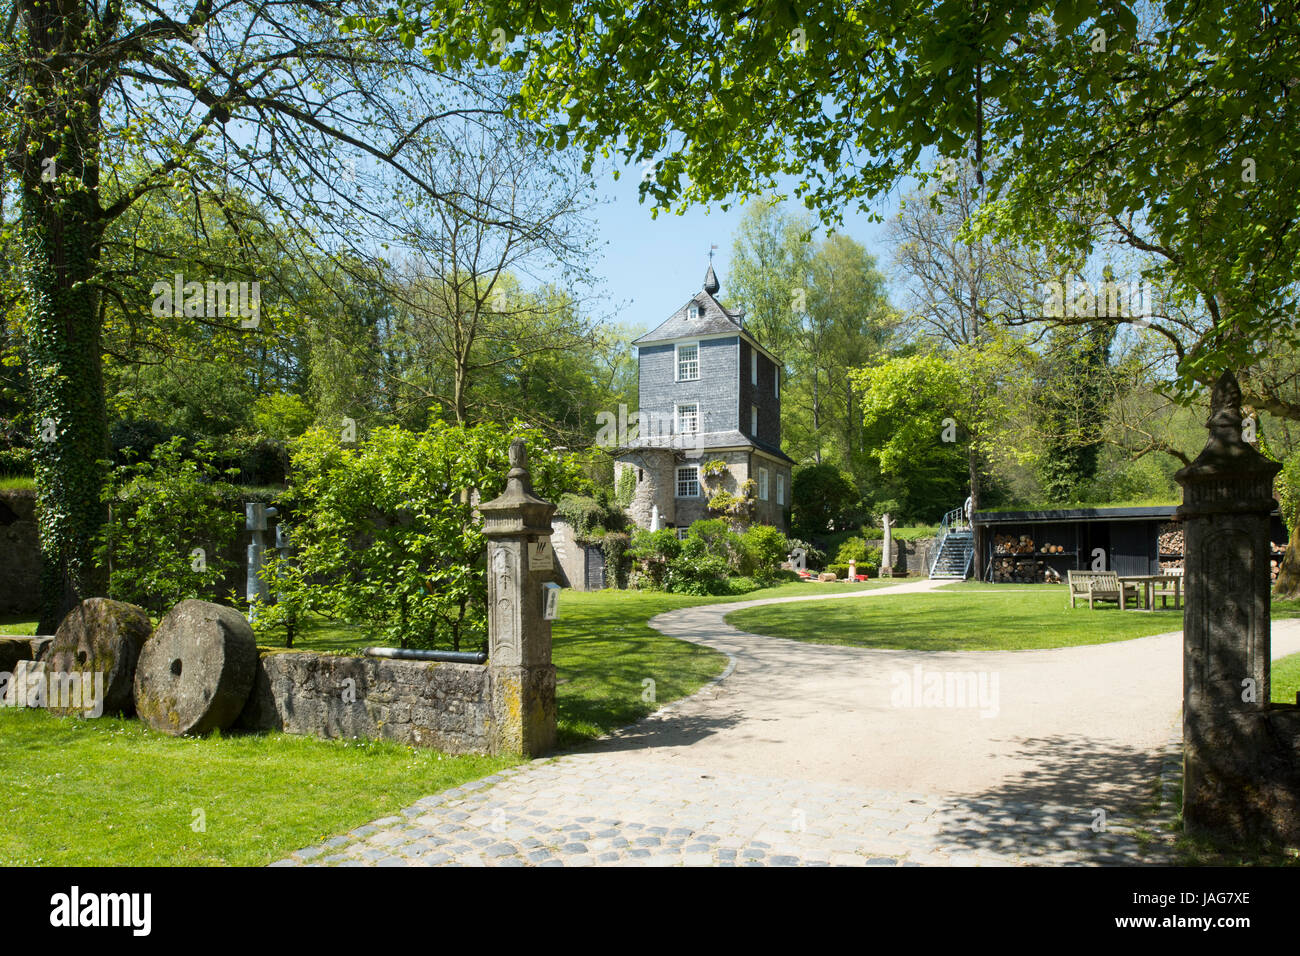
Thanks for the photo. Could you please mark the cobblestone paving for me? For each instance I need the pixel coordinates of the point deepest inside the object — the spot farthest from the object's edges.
(584, 810)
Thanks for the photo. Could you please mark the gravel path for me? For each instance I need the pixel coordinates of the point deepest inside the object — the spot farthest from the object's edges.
(805, 754)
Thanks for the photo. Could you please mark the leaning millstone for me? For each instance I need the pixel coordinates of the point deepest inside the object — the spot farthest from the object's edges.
(93, 658)
(196, 671)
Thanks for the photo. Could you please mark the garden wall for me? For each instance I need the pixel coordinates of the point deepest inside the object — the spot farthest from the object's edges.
(910, 556)
(20, 556)
(19, 553)
(441, 705)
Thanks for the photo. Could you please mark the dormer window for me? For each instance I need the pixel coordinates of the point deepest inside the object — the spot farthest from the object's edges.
(694, 312)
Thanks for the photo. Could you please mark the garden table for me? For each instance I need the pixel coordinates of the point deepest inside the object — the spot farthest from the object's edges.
(1149, 584)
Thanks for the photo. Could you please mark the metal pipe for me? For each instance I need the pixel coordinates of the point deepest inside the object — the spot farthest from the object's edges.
(405, 654)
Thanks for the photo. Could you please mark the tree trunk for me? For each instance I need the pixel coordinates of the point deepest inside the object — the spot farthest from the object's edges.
(1287, 584)
(57, 148)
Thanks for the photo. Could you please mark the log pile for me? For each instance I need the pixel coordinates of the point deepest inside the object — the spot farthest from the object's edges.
(1171, 541)
(1011, 571)
(1011, 544)
(1275, 561)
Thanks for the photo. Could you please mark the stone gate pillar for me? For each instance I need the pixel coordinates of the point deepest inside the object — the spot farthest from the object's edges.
(519, 562)
(1238, 767)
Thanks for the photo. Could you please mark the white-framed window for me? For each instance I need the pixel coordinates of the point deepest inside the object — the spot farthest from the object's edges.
(688, 481)
(688, 418)
(694, 311)
(688, 362)
(780, 489)
(753, 367)
(682, 533)
(762, 484)
(753, 420)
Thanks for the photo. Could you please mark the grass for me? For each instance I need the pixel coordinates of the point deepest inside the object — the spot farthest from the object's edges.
(17, 624)
(265, 795)
(109, 792)
(969, 616)
(11, 483)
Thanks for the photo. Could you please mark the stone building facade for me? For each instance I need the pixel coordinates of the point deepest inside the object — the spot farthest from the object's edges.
(708, 391)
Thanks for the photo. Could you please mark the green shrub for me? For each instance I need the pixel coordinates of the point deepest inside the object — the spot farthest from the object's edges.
(653, 552)
(839, 570)
(765, 548)
(385, 530)
(170, 523)
(16, 462)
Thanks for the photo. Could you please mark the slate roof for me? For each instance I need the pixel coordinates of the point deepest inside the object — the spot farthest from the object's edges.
(732, 438)
(713, 320)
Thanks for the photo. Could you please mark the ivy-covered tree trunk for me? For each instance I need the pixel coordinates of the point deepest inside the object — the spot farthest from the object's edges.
(56, 142)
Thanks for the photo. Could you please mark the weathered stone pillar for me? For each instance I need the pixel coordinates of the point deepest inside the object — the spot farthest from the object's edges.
(887, 551)
(519, 562)
(1239, 757)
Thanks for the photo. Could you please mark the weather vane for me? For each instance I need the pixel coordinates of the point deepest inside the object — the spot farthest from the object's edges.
(712, 246)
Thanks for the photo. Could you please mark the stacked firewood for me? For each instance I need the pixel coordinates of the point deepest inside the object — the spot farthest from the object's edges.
(1275, 560)
(1010, 571)
(1010, 544)
(1171, 542)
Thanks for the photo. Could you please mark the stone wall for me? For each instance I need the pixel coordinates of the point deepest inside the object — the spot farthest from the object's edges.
(19, 554)
(914, 556)
(441, 705)
(655, 484)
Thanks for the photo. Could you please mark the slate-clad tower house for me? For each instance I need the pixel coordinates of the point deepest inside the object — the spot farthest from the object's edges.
(708, 392)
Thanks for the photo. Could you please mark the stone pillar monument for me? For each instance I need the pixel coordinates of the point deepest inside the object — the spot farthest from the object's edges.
(519, 563)
(1240, 754)
(887, 552)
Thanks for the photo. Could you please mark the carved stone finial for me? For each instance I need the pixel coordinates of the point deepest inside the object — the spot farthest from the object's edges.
(1226, 394)
(518, 454)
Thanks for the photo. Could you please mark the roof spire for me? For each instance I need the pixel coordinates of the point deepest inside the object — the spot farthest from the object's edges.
(710, 278)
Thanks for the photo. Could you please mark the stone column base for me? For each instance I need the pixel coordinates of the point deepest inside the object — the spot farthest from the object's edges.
(523, 710)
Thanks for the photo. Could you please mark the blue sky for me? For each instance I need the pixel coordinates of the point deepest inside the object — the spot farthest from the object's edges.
(650, 267)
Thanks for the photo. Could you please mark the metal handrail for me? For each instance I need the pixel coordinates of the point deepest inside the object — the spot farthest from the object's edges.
(954, 520)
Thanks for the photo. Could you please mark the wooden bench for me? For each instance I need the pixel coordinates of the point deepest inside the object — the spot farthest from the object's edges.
(1095, 586)
(1172, 587)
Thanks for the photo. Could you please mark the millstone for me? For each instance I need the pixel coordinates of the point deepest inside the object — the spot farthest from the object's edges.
(196, 672)
(97, 637)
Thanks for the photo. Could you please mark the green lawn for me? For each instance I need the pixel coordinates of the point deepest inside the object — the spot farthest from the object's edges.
(112, 792)
(968, 616)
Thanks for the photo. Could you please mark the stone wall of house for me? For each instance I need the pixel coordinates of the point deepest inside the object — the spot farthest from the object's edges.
(655, 484)
(20, 554)
(425, 704)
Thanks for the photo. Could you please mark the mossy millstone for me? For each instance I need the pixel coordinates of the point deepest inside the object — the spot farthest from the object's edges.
(99, 636)
(197, 670)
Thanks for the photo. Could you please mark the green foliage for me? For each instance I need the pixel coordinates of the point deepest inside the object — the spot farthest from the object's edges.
(171, 524)
(1210, 186)
(281, 415)
(385, 530)
(764, 548)
(590, 517)
(16, 462)
(822, 499)
(625, 488)
(712, 559)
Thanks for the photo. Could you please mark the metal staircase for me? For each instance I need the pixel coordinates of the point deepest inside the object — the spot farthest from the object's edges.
(956, 551)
